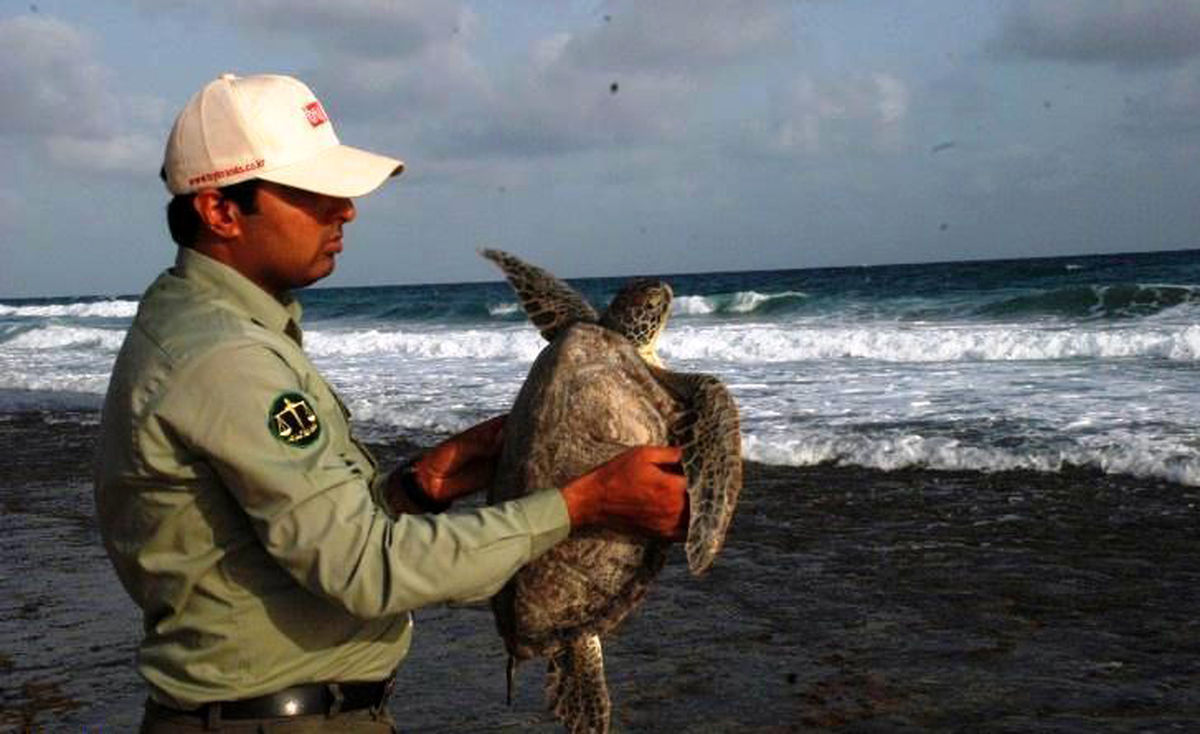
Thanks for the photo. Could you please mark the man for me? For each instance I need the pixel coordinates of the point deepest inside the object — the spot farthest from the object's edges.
(275, 567)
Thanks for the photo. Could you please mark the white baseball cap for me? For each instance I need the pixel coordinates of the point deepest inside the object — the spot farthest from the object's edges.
(270, 127)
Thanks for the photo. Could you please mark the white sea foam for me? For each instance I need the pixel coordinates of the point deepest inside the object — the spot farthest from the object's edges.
(55, 384)
(66, 337)
(504, 309)
(693, 306)
(748, 301)
(490, 344)
(768, 343)
(92, 309)
(742, 302)
(1143, 457)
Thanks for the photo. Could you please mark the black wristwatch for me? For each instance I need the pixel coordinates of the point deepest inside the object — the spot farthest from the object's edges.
(413, 492)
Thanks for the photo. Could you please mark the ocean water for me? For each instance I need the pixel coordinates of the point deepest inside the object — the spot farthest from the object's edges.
(1040, 364)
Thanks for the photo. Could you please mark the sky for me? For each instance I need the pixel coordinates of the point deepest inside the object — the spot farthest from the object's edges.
(624, 137)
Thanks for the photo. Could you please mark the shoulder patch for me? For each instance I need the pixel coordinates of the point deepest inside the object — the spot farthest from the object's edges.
(292, 421)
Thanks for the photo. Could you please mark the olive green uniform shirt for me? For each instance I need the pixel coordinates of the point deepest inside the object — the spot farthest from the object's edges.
(243, 517)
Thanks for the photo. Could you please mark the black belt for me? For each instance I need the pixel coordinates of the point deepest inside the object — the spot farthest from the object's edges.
(302, 700)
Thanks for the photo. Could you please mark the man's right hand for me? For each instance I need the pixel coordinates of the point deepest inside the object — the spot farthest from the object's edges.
(642, 489)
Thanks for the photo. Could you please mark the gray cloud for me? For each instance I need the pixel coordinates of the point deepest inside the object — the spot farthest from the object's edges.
(687, 36)
(1131, 34)
(66, 102)
(630, 78)
(362, 28)
(414, 67)
(549, 104)
(52, 84)
(137, 153)
(859, 112)
(1171, 111)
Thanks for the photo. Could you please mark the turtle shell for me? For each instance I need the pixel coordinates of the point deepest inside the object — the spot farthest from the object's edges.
(588, 397)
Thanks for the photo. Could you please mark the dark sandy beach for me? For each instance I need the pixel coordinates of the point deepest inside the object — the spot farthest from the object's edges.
(846, 599)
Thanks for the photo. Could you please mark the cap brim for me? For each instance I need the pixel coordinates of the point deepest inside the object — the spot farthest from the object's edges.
(337, 171)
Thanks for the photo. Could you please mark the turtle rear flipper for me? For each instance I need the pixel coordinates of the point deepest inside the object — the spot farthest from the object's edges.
(551, 304)
(575, 687)
(709, 433)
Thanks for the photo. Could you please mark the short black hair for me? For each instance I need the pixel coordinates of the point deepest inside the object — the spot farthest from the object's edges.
(183, 221)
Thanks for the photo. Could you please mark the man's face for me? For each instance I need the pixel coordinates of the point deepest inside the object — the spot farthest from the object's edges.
(292, 239)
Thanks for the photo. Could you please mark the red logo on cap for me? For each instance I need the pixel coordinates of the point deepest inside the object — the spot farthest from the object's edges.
(315, 113)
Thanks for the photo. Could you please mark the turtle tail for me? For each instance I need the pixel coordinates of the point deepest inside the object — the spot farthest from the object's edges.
(575, 687)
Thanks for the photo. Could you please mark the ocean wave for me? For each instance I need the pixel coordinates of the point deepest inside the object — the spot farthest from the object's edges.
(495, 344)
(50, 391)
(766, 344)
(85, 309)
(732, 344)
(1096, 301)
(916, 452)
(504, 309)
(740, 302)
(65, 337)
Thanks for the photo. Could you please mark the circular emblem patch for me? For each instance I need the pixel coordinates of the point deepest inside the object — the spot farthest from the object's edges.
(292, 421)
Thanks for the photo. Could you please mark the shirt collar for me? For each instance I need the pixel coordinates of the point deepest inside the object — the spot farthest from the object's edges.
(244, 295)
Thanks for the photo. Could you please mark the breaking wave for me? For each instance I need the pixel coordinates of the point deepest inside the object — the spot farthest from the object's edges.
(741, 302)
(84, 309)
(493, 344)
(916, 452)
(1096, 302)
(897, 344)
(64, 337)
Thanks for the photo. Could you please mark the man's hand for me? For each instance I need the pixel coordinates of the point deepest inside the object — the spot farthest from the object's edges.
(642, 489)
(456, 467)
(464, 463)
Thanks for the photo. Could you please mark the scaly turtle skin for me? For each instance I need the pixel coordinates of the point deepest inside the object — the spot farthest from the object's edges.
(596, 390)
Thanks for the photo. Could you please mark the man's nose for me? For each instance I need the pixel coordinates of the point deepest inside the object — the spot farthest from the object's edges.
(343, 209)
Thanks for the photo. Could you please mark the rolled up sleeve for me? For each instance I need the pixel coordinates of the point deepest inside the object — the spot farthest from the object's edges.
(311, 506)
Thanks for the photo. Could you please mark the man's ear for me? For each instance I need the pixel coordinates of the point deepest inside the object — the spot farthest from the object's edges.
(220, 216)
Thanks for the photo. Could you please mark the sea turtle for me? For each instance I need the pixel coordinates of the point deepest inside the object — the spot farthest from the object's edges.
(597, 389)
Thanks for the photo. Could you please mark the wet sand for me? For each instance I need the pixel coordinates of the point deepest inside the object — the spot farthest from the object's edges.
(846, 599)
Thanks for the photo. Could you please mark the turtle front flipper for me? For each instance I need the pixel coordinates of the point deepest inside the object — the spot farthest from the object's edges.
(709, 433)
(551, 304)
(575, 687)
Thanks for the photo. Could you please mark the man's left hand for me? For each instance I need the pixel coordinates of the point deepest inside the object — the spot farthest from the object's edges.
(462, 464)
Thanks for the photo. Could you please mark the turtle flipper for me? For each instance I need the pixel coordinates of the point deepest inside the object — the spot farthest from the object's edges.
(708, 431)
(575, 687)
(551, 304)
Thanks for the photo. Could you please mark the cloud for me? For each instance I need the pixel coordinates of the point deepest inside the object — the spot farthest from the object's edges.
(1128, 33)
(858, 112)
(629, 79)
(686, 36)
(137, 154)
(363, 28)
(1171, 111)
(377, 60)
(67, 104)
(12, 203)
(550, 104)
(50, 82)
(440, 79)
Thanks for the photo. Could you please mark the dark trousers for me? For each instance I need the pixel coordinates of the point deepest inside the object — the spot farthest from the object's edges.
(162, 720)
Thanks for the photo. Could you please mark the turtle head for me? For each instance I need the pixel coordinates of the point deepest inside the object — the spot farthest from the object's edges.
(639, 312)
